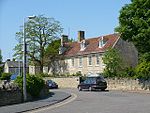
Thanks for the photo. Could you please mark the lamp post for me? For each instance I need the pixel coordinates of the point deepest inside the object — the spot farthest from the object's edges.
(24, 59)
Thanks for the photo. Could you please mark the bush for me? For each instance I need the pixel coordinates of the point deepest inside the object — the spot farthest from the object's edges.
(128, 72)
(5, 76)
(143, 70)
(34, 84)
(43, 75)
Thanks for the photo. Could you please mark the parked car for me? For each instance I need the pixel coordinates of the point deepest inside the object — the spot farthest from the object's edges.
(92, 82)
(51, 84)
(14, 76)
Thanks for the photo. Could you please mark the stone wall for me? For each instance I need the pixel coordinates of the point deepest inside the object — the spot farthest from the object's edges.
(71, 82)
(10, 97)
(124, 84)
(113, 84)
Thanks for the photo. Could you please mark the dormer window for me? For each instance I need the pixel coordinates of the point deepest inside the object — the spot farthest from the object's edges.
(102, 42)
(82, 45)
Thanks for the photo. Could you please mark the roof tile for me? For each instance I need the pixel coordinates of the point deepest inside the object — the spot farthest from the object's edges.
(91, 45)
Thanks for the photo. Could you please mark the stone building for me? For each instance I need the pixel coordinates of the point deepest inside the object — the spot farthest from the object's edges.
(85, 55)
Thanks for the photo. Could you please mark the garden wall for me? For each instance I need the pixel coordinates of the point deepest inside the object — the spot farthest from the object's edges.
(10, 97)
(113, 84)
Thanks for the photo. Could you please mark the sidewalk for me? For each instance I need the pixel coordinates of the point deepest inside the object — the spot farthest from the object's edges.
(56, 97)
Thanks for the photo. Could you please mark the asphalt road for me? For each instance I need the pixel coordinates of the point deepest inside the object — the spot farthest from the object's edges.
(101, 102)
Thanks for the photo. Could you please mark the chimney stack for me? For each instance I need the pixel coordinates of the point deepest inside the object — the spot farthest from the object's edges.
(64, 39)
(81, 36)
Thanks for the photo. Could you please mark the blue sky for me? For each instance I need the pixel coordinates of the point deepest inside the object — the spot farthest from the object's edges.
(95, 17)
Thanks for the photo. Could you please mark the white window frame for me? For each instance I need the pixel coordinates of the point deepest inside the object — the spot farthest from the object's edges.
(97, 59)
(82, 45)
(80, 62)
(72, 62)
(90, 60)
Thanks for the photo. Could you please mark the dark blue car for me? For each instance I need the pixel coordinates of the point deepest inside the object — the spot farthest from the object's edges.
(92, 82)
(51, 84)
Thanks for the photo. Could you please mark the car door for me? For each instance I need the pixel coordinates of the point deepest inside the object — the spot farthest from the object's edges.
(87, 83)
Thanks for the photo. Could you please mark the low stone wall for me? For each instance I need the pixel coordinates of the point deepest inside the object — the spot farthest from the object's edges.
(113, 84)
(66, 82)
(123, 84)
(10, 97)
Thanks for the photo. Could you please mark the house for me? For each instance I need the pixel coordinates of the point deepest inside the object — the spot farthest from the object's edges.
(85, 55)
(14, 67)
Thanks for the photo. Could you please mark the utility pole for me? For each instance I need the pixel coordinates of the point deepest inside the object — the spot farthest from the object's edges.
(25, 59)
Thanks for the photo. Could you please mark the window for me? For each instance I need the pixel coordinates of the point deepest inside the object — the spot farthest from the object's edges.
(90, 60)
(97, 60)
(80, 61)
(72, 62)
(102, 42)
(82, 45)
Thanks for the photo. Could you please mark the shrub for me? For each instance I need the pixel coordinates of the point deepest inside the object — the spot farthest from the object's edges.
(143, 70)
(5, 76)
(113, 63)
(43, 75)
(34, 84)
(128, 72)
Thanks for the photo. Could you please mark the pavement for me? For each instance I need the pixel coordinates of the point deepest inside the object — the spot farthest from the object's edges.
(55, 97)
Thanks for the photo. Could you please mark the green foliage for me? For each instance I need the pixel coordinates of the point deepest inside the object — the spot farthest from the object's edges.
(0, 56)
(113, 63)
(78, 73)
(52, 52)
(5, 76)
(128, 72)
(43, 75)
(39, 33)
(143, 70)
(134, 24)
(145, 57)
(34, 84)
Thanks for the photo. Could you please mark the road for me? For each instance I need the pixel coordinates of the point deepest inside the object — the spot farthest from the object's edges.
(101, 102)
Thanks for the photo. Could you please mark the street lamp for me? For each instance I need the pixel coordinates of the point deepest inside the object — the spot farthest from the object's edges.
(24, 59)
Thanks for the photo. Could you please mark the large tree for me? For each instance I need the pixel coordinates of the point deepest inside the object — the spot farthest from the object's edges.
(39, 33)
(113, 63)
(1, 67)
(0, 56)
(134, 24)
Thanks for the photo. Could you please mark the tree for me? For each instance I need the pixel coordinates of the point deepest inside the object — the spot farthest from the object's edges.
(0, 56)
(113, 63)
(39, 33)
(52, 57)
(143, 68)
(134, 24)
(1, 67)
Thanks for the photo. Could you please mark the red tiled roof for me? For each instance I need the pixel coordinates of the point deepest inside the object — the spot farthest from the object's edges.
(92, 45)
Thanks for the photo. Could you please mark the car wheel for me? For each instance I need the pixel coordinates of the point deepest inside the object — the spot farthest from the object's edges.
(79, 88)
(90, 89)
(102, 89)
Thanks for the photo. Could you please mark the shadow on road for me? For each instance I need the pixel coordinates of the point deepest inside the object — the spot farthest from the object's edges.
(95, 91)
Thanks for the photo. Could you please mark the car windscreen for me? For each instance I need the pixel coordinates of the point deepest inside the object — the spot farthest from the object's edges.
(90, 80)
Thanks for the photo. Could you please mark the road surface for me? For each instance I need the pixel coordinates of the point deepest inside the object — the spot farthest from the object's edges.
(101, 102)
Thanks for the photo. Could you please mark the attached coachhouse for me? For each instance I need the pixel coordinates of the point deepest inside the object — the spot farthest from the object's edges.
(85, 55)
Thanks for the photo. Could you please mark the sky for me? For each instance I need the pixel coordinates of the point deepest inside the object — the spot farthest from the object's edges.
(95, 17)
